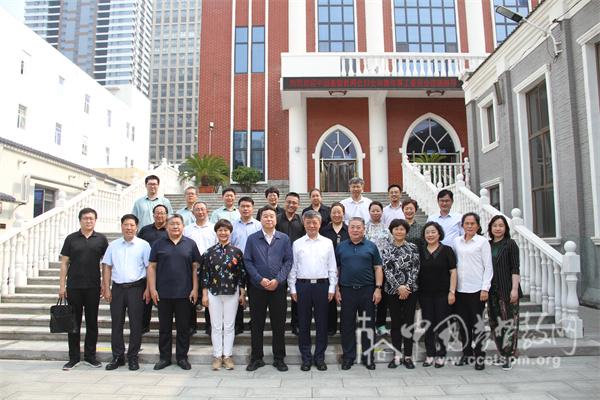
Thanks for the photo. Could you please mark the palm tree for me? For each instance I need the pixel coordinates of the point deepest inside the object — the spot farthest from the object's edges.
(208, 170)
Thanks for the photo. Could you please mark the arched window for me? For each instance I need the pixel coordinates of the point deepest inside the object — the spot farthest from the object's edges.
(338, 146)
(430, 137)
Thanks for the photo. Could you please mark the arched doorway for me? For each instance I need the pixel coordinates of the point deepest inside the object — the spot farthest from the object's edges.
(432, 139)
(338, 157)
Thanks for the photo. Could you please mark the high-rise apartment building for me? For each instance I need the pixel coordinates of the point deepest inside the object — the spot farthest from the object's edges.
(109, 39)
(174, 91)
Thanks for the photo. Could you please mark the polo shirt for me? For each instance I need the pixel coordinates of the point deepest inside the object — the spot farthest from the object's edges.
(204, 235)
(150, 233)
(356, 208)
(188, 216)
(451, 224)
(324, 211)
(224, 213)
(174, 266)
(128, 260)
(356, 262)
(391, 213)
(241, 231)
(84, 259)
(142, 208)
(294, 228)
(268, 260)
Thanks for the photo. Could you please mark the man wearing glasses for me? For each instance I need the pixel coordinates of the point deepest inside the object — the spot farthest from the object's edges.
(143, 207)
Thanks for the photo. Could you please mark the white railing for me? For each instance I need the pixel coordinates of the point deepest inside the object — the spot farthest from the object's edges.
(443, 65)
(445, 173)
(31, 245)
(547, 276)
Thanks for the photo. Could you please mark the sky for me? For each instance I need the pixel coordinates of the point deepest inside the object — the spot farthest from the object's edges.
(15, 7)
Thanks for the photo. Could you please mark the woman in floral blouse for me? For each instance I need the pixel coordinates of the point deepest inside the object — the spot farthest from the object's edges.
(377, 233)
(401, 269)
(223, 279)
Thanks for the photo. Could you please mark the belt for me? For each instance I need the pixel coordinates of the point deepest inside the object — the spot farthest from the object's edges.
(141, 282)
(357, 287)
(313, 281)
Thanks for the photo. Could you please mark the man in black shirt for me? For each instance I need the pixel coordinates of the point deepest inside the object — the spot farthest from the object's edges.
(151, 233)
(80, 284)
(173, 283)
(291, 224)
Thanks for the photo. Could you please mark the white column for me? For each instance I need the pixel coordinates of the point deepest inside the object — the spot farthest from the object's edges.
(297, 26)
(298, 166)
(378, 146)
(374, 25)
(475, 31)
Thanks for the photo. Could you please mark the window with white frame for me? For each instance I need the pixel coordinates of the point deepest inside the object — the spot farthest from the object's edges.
(21, 116)
(425, 26)
(335, 25)
(84, 146)
(494, 188)
(487, 117)
(58, 133)
(505, 26)
(86, 104)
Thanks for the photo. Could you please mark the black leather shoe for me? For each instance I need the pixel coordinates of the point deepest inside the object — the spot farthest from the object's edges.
(115, 363)
(464, 360)
(393, 364)
(133, 363)
(346, 365)
(370, 365)
(254, 365)
(321, 366)
(280, 365)
(305, 366)
(408, 363)
(428, 362)
(480, 363)
(145, 330)
(184, 364)
(162, 364)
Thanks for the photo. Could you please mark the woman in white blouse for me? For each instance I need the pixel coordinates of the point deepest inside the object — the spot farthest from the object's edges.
(474, 268)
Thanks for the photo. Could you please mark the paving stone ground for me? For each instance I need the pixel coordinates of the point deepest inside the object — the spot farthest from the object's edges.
(531, 379)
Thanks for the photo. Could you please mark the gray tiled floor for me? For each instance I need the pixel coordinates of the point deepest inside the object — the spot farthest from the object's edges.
(574, 378)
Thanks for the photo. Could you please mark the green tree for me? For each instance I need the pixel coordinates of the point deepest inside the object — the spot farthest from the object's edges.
(246, 177)
(208, 170)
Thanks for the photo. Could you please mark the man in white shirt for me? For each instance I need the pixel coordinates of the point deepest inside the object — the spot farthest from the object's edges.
(312, 281)
(393, 210)
(450, 221)
(356, 205)
(203, 233)
(142, 208)
(186, 212)
(124, 268)
(229, 210)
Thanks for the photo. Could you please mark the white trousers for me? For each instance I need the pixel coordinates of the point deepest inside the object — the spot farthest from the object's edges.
(223, 309)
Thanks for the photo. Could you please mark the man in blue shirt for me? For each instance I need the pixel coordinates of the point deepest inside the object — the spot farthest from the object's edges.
(268, 259)
(187, 212)
(124, 267)
(173, 284)
(142, 208)
(360, 284)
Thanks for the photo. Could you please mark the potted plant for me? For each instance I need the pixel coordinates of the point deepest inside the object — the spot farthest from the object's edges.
(246, 177)
(209, 171)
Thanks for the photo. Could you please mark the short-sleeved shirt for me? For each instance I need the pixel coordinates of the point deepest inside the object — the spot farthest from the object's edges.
(335, 237)
(150, 233)
(128, 260)
(224, 213)
(356, 262)
(84, 259)
(241, 231)
(174, 266)
(434, 275)
(294, 228)
(324, 211)
(391, 213)
(142, 208)
(451, 224)
(356, 208)
(187, 215)
(204, 235)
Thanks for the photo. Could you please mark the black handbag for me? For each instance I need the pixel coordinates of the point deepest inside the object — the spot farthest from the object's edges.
(62, 318)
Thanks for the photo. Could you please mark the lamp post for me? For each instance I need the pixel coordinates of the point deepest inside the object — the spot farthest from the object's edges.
(513, 16)
(211, 126)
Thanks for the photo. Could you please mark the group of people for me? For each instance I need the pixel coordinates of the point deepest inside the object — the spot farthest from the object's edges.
(356, 254)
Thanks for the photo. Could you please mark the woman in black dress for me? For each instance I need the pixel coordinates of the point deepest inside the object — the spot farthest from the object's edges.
(437, 287)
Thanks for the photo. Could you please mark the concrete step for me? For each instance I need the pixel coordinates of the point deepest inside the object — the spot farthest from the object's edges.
(38, 289)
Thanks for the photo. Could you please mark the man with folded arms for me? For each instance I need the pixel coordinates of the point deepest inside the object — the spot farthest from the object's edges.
(268, 261)
(173, 284)
(312, 282)
(124, 265)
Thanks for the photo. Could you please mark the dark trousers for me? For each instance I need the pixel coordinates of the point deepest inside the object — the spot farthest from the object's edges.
(403, 319)
(312, 300)
(130, 300)
(180, 308)
(147, 316)
(276, 302)
(294, 312)
(84, 300)
(332, 317)
(472, 331)
(382, 309)
(355, 301)
(435, 311)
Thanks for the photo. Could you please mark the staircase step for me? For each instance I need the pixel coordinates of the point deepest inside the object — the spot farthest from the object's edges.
(39, 289)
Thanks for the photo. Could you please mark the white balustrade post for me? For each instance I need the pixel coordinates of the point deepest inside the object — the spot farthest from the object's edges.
(467, 167)
(12, 265)
(551, 290)
(572, 324)
(532, 270)
(484, 200)
(538, 275)
(5, 257)
(558, 293)
(517, 220)
(20, 276)
(30, 240)
(35, 243)
(544, 268)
